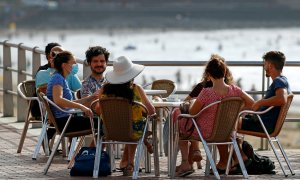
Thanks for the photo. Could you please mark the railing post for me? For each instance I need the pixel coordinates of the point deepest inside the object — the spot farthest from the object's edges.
(36, 61)
(8, 104)
(86, 69)
(21, 103)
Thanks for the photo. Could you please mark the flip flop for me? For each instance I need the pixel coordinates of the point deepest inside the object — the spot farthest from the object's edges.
(185, 173)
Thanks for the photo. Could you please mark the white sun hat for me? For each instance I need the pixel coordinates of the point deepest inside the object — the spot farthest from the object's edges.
(123, 71)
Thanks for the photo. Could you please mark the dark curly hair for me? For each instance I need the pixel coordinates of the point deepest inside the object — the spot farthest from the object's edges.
(95, 51)
(60, 58)
(276, 58)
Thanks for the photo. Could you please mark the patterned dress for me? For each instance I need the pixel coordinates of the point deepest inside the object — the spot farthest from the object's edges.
(206, 120)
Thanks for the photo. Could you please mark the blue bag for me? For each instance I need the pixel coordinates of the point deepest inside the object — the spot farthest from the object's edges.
(84, 163)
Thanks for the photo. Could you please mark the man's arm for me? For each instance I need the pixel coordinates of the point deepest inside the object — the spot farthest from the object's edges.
(279, 99)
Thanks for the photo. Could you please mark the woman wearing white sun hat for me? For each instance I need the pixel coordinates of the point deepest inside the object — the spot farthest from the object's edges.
(120, 84)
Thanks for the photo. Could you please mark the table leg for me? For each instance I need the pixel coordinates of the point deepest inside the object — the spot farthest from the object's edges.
(170, 144)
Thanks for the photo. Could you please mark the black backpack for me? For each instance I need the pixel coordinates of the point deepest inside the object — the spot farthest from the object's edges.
(260, 164)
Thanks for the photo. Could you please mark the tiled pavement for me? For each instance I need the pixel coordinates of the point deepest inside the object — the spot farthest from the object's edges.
(21, 166)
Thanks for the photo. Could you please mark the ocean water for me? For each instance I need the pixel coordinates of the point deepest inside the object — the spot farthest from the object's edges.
(232, 44)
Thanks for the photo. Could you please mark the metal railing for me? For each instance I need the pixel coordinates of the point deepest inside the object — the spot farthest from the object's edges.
(22, 73)
(36, 52)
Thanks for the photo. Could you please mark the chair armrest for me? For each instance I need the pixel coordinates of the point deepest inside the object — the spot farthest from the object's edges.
(69, 111)
(255, 112)
(196, 115)
(93, 105)
(23, 96)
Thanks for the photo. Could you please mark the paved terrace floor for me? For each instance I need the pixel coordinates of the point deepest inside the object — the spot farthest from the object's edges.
(21, 166)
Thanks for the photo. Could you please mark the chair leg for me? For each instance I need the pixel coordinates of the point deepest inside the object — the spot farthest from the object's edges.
(240, 159)
(147, 155)
(98, 152)
(24, 132)
(40, 141)
(97, 158)
(285, 156)
(175, 153)
(54, 149)
(155, 146)
(229, 160)
(207, 165)
(138, 155)
(160, 125)
(56, 146)
(207, 151)
(277, 156)
(111, 157)
(46, 145)
(72, 147)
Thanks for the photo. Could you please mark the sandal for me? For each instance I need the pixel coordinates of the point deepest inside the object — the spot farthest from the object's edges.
(128, 171)
(184, 173)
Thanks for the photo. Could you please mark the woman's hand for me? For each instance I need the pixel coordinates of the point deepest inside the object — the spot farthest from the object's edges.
(87, 111)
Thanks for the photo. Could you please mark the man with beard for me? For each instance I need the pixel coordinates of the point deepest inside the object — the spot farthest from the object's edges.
(276, 95)
(97, 58)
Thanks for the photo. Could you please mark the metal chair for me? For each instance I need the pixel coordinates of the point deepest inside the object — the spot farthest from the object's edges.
(118, 128)
(62, 133)
(163, 113)
(222, 133)
(43, 135)
(274, 135)
(113, 152)
(163, 84)
(27, 91)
